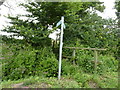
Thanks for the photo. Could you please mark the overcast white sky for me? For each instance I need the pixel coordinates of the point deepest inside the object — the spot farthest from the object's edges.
(109, 12)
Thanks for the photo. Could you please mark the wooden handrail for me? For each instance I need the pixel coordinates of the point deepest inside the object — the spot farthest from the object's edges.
(84, 48)
(95, 54)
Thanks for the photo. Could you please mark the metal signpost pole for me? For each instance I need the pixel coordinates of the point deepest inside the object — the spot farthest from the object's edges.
(61, 45)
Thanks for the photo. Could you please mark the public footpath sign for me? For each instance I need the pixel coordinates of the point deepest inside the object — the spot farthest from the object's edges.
(61, 45)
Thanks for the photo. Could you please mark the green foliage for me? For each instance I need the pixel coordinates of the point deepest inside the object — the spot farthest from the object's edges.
(34, 56)
(29, 61)
(33, 34)
(42, 82)
(105, 63)
(90, 31)
(109, 63)
(69, 69)
(82, 79)
(85, 61)
(34, 30)
(107, 80)
(117, 7)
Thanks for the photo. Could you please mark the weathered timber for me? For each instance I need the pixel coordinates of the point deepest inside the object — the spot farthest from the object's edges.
(95, 54)
(96, 58)
(85, 48)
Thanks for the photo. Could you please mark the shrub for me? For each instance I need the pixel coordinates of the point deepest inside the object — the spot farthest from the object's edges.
(69, 69)
(30, 62)
(82, 79)
(109, 63)
(85, 61)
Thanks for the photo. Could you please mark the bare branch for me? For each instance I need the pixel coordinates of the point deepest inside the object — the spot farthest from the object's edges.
(1, 2)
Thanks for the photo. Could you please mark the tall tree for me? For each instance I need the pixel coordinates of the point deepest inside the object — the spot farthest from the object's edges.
(117, 6)
(34, 29)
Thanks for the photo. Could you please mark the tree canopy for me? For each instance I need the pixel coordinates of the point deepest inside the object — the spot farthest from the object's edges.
(34, 29)
(82, 22)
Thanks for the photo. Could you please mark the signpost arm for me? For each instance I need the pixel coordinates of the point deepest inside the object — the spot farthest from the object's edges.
(60, 49)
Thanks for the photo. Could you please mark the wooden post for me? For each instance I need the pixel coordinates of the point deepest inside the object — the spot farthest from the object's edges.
(96, 58)
(73, 56)
(73, 53)
(95, 54)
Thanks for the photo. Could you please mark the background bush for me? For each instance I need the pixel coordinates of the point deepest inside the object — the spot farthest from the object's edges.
(29, 61)
(84, 61)
(26, 61)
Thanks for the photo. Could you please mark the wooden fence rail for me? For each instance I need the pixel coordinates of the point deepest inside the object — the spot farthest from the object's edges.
(84, 48)
(95, 54)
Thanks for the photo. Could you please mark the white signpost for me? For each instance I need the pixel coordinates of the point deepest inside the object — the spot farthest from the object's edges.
(61, 44)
